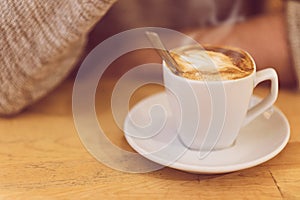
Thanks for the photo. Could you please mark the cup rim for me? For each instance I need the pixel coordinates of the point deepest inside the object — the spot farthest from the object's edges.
(215, 81)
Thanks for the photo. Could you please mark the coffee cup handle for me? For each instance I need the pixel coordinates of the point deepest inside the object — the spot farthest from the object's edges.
(267, 102)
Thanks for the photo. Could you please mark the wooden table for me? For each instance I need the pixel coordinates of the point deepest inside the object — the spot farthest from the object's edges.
(42, 158)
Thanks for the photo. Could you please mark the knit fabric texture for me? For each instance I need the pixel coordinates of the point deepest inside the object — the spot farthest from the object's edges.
(40, 41)
(293, 23)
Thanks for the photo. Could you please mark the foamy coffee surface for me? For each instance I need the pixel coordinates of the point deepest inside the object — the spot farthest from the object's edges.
(212, 63)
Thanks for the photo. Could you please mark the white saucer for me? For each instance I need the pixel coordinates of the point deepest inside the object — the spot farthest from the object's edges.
(258, 142)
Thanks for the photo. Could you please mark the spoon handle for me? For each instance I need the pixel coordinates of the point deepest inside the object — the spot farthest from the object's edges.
(163, 52)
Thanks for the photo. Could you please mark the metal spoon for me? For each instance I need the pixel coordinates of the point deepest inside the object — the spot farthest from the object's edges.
(163, 52)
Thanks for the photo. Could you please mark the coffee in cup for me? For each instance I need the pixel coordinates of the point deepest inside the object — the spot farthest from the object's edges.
(212, 63)
(210, 97)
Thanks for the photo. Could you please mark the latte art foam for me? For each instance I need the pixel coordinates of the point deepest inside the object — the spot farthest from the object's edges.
(212, 63)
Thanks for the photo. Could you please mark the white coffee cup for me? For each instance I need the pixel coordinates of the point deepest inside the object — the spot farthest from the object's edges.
(208, 115)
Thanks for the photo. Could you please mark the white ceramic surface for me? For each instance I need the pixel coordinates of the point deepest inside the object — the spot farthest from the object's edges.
(256, 143)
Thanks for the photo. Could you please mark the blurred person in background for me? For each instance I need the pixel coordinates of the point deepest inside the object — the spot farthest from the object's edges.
(266, 29)
(43, 40)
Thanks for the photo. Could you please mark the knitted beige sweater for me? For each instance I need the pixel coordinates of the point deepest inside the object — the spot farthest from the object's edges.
(293, 23)
(39, 44)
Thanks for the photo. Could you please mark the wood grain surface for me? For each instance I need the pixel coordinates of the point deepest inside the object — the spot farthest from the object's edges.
(42, 157)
